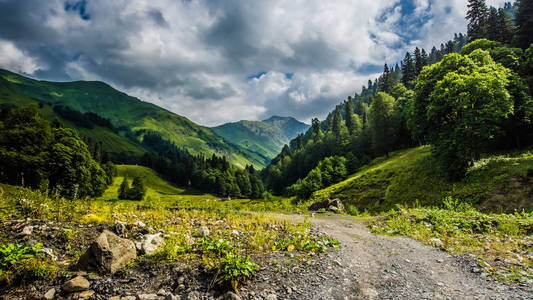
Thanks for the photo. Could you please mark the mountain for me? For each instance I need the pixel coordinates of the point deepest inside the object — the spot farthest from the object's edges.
(266, 136)
(128, 114)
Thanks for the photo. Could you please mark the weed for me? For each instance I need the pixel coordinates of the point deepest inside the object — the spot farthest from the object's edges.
(237, 269)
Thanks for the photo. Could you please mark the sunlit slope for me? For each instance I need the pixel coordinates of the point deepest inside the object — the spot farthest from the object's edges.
(124, 111)
(410, 177)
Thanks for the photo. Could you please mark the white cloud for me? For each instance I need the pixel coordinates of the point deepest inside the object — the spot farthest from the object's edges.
(13, 59)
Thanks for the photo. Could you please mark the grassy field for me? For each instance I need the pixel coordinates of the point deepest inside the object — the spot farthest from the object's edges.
(499, 183)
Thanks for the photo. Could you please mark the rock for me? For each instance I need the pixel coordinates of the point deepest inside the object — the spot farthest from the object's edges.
(235, 233)
(151, 243)
(27, 230)
(334, 205)
(114, 298)
(49, 252)
(172, 297)
(139, 224)
(51, 294)
(194, 295)
(181, 280)
(204, 231)
(85, 295)
(108, 253)
(119, 228)
(77, 284)
(231, 296)
(162, 292)
(271, 297)
(129, 298)
(147, 297)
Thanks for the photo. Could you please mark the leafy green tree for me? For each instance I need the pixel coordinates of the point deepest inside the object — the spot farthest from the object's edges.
(381, 123)
(465, 100)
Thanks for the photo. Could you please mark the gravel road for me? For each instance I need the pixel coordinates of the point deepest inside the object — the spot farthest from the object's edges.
(370, 266)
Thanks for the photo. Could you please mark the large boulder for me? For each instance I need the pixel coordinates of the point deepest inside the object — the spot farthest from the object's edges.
(108, 253)
(334, 205)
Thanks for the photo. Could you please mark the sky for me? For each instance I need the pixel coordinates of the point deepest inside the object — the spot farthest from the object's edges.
(217, 61)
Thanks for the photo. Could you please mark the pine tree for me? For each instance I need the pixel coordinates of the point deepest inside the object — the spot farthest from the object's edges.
(433, 56)
(123, 191)
(350, 116)
(493, 25)
(450, 47)
(524, 24)
(408, 71)
(337, 122)
(477, 19)
(424, 58)
(418, 61)
(506, 27)
(138, 189)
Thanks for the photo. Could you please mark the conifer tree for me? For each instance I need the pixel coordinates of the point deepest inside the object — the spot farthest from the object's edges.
(408, 71)
(477, 19)
(506, 27)
(524, 24)
(350, 116)
(493, 25)
(418, 61)
(123, 191)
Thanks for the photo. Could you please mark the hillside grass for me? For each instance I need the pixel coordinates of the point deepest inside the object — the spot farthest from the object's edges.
(497, 183)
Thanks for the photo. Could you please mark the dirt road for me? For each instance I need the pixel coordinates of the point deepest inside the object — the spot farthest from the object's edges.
(369, 266)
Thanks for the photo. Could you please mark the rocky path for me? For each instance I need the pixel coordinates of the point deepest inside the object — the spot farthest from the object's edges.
(369, 266)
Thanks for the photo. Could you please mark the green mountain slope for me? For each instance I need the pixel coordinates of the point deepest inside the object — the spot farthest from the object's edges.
(124, 111)
(266, 137)
(496, 183)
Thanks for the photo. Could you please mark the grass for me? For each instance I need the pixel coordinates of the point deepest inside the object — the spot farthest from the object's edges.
(500, 183)
(501, 242)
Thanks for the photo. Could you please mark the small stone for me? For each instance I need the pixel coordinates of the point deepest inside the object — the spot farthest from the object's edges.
(152, 242)
(119, 228)
(194, 295)
(271, 297)
(440, 261)
(162, 292)
(204, 231)
(27, 230)
(147, 297)
(231, 296)
(181, 287)
(77, 284)
(235, 233)
(139, 224)
(114, 298)
(51, 294)
(129, 298)
(86, 295)
(172, 297)
(49, 252)
(181, 280)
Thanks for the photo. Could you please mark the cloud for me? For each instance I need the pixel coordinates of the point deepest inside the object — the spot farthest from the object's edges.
(14, 59)
(220, 61)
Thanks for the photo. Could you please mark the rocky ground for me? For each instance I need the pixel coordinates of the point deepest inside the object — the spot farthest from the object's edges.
(367, 266)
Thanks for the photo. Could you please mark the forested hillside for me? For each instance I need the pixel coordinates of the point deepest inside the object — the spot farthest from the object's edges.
(470, 98)
(129, 116)
(267, 137)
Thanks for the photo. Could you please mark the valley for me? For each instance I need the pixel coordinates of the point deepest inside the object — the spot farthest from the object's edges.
(233, 150)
